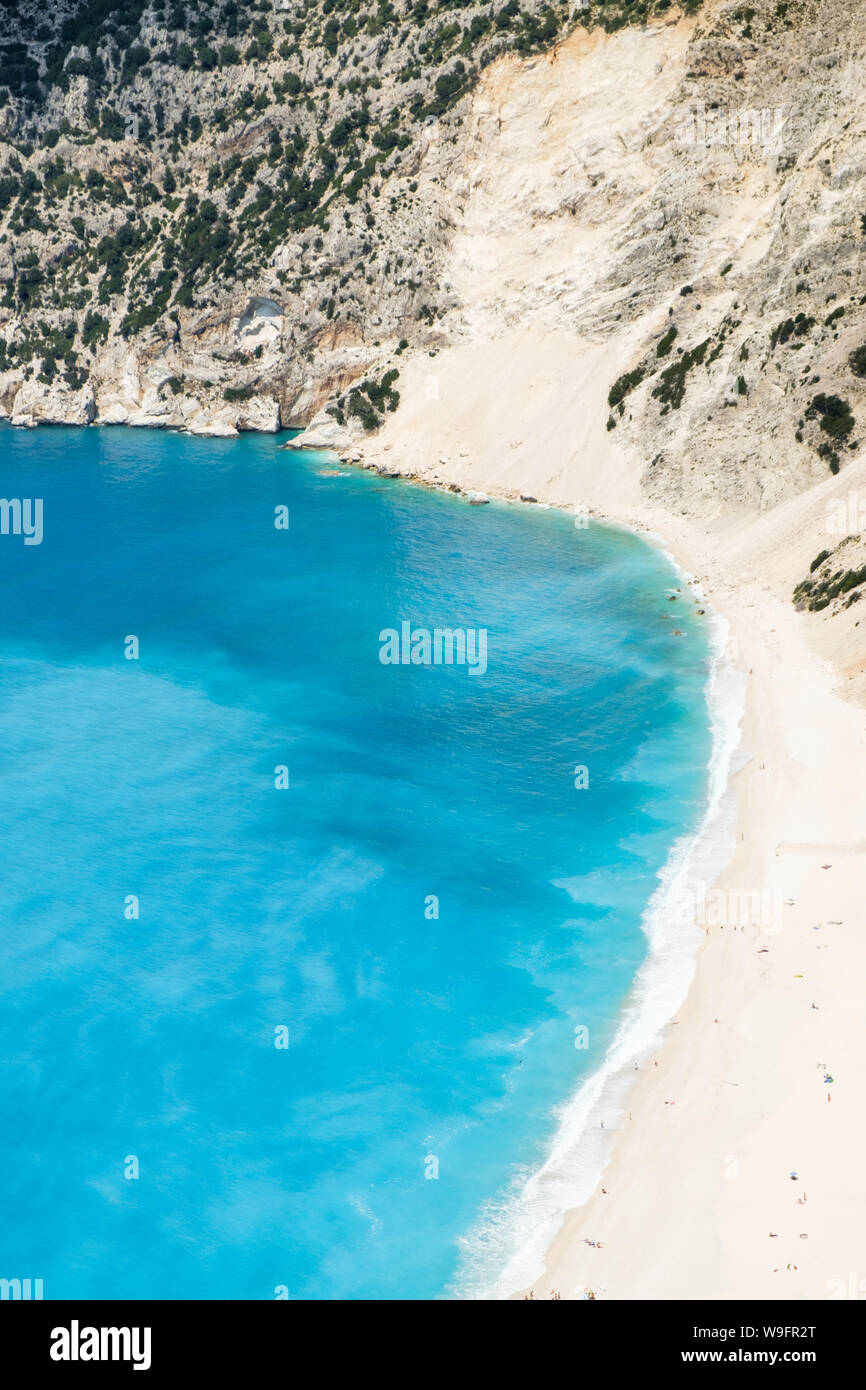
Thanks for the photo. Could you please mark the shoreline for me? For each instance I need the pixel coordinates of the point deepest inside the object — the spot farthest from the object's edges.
(699, 1202)
(719, 1167)
(740, 1205)
(588, 1122)
(534, 1210)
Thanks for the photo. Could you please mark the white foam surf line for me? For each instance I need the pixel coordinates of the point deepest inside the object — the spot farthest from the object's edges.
(506, 1250)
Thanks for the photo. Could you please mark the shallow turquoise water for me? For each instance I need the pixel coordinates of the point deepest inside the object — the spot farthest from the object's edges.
(413, 1042)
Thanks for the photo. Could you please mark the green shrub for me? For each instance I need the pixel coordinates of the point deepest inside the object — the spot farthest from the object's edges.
(791, 328)
(672, 386)
(94, 329)
(857, 361)
(623, 384)
(663, 346)
(834, 415)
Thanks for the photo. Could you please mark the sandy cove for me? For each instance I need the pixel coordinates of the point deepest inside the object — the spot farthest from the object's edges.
(553, 210)
(699, 1174)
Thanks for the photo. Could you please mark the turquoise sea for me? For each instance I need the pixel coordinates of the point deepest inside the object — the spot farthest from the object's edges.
(171, 917)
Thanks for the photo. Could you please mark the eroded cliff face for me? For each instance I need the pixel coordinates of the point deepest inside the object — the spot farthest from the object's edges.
(687, 201)
(210, 215)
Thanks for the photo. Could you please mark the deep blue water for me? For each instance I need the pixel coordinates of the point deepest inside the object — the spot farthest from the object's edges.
(411, 1039)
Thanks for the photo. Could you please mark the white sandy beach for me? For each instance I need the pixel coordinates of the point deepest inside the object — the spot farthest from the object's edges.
(700, 1175)
(734, 1098)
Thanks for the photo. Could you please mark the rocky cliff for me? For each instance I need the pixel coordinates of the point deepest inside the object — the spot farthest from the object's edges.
(211, 215)
(687, 201)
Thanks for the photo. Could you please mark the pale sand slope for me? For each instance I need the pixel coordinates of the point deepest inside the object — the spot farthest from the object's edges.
(695, 1185)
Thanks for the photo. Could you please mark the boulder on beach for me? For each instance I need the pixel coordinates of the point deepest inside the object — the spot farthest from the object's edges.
(323, 432)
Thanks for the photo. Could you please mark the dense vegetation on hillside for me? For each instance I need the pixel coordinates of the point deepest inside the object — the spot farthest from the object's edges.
(154, 154)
